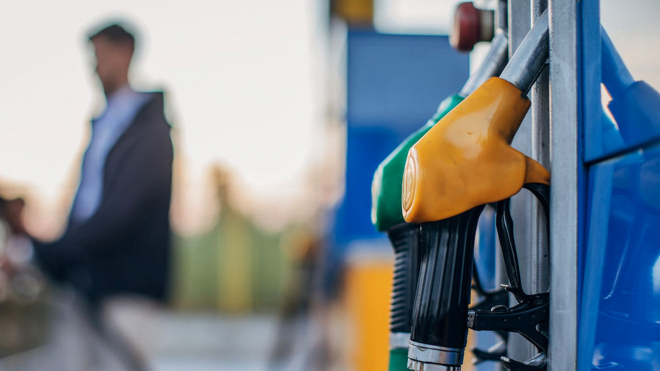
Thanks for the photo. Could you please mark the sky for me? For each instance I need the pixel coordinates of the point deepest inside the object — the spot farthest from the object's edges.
(228, 75)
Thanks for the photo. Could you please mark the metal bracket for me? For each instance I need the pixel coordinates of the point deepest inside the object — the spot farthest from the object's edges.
(530, 317)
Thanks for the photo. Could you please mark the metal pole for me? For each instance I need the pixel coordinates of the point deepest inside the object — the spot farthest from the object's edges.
(519, 25)
(494, 62)
(525, 64)
(540, 141)
(564, 104)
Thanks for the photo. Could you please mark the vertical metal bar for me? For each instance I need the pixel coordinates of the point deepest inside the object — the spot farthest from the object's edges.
(502, 15)
(564, 233)
(540, 138)
(534, 140)
(519, 25)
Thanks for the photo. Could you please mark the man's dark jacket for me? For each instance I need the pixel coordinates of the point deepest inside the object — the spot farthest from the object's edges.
(124, 247)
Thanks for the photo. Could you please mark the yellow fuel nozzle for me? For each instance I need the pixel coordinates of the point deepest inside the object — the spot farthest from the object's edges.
(466, 159)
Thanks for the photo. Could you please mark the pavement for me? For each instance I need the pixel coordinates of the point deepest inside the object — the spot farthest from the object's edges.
(201, 342)
(184, 342)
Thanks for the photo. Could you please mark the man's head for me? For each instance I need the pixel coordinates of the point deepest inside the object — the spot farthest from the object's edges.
(113, 48)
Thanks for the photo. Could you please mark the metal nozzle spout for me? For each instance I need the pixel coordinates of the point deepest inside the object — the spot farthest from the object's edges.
(422, 366)
(493, 63)
(530, 57)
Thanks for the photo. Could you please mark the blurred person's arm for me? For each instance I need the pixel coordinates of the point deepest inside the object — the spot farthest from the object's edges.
(143, 179)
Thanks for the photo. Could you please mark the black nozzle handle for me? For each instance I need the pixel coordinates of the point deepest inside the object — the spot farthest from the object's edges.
(439, 325)
(529, 59)
(440, 313)
(493, 63)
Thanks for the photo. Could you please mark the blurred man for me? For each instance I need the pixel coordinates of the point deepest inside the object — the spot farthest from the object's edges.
(117, 241)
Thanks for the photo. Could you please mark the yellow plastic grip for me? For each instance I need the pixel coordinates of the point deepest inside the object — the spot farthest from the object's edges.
(467, 160)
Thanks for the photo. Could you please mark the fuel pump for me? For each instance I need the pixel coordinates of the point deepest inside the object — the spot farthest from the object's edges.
(461, 164)
(386, 208)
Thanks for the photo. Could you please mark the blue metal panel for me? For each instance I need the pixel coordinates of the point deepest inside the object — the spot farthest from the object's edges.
(366, 147)
(621, 303)
(619, 323)
(397, 81)
(599, 209)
